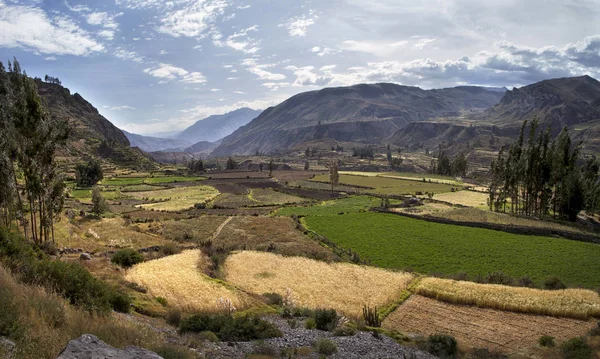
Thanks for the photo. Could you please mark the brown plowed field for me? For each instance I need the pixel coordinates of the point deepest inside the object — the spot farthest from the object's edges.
(481, 328)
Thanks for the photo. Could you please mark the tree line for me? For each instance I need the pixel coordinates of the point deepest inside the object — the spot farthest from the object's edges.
(32, 190)
(447, 166)
(541, 177)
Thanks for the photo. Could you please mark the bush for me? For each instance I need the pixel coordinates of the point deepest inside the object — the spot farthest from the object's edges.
(173, 317)
(443, 346)
(526, 282)
(310, 323)
(595, 331)
(554, 283)
(576, 348)
(371, 316)
(229, 328)
(170, 249)
(127, 257)
(162, 301)
(120, 302)
(273, 298)
(500, 278)
(263, 348)
(546, 341)
(344, 331)
(326, 319)
(325, 346)
(209, 336)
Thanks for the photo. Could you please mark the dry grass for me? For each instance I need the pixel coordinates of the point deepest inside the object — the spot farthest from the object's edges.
(46, 323)
(197, 230)
(465, 198)
(482, 328)
(275, 234)
(176, 199)
(94, 235)
(180, 280)
(341, 286)
(573, 303)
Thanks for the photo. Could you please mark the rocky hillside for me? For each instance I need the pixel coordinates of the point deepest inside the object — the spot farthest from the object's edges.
(92, 134)
(558, 102)
(215, 127)
(361, 113)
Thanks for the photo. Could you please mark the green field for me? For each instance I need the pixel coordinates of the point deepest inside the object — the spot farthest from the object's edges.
(172, 179)
(384, 185)
(393, 241)
(123, 181)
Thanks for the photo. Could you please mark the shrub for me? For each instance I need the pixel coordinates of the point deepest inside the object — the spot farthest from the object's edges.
(546, 341)
(499, 278)
(273, 298)
(554, 283)
(371, 316)
(162, 301)
(326, 319)
(595, 331)
(120, 302)
(229, 328)
(263, 348)
(173, 317)
(443, 346)
(344, 331)
(170, 351)
(325, 346)
(310, 323)
(209, 336)
(127, 257)
(170, 249)
(576, 348)
(526, 282)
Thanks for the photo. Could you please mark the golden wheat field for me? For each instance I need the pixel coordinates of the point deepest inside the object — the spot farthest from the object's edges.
(176, 199)
(341, 286)
(465, 198)
(573, 303)
(179, 279)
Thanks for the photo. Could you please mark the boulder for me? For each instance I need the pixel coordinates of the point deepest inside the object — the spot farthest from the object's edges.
(90, 347)
(7, 348)
(85, 257)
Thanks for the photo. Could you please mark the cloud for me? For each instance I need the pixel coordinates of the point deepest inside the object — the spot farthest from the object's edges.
(128, 55)
(305, 76)
(323, 51)
(298, 26)
(377, 48)
(239, 41)
(31, 29)
(260, 70)
(103, 19)
(119, 108)
(169, 73)
(107, 34)
(422, 42)
(194, 19)
(50, 58)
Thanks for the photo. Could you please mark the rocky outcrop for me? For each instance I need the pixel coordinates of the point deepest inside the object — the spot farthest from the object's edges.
(90, 347)
(7, 348)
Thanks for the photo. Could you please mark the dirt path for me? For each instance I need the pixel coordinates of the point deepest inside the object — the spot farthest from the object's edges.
(218, 231)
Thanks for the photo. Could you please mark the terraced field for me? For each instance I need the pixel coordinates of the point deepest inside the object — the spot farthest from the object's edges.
(392, 241)
(175, 199)
(385, 185)
(342, 286)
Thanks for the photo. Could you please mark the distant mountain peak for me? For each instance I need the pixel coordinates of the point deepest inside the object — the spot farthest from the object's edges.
(215, 127)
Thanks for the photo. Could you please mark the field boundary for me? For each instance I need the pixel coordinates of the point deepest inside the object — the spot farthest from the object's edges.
(500, 227)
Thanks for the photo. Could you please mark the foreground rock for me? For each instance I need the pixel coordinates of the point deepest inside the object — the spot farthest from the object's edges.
(7, 348)
(90, 347)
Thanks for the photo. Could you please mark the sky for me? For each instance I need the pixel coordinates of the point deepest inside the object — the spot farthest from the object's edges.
(155, 67)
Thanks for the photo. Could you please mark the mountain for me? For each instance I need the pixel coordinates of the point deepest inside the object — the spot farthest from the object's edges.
(92, 134)
(215, 127)
(202, 146)
(360, 113)
(151, 144)
(572, 102)
(557, 102)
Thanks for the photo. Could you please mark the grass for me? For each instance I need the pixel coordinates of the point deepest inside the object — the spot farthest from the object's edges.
(123, 181)
(196, 230)
(346, 205)
(274, 234)
(573, 303)
(406, 175)
(230, 200)
(175, 199)
(340, 286)
(392, 241)
(141, 188)
(465, 198)
(385, 185)
(179, 279)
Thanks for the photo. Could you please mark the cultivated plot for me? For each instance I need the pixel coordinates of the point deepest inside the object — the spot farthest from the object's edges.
(176, 199)
(385, 185)
(341, 286)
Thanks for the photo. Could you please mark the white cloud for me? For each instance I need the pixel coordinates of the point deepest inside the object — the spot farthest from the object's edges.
(322, 51)
(239, 92)
(239, 41)
(119, 108)
(194, 19)
(260, 70)
(169, 72)
(298, 26)
(50, 58)
(107, 34)
(128, 55)
(163, 52)
(305, 76)
(215, 90)
(377, 48)
(30, 28)
(422, 42)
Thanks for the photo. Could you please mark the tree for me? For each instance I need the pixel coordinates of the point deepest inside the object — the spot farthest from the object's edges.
(195, 166)
(307, 152)
(231, 164)
(99, 205)
(306, 166)
(89, 174)
(389, 154)
(334, 175)
(271, 167)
